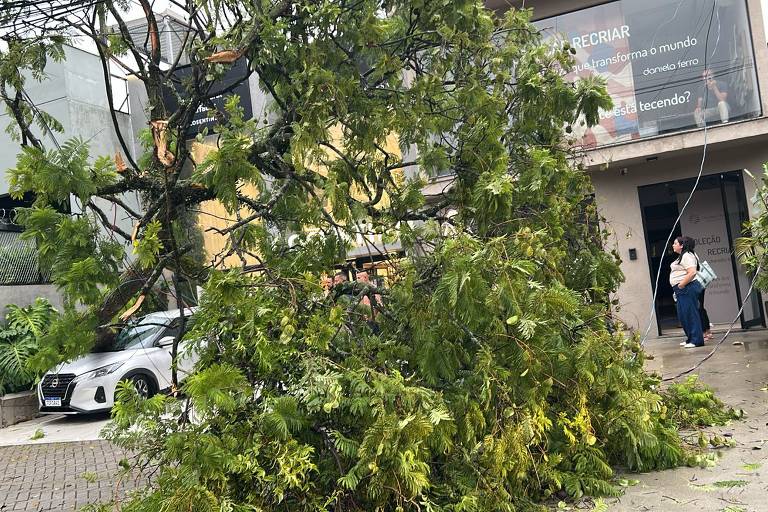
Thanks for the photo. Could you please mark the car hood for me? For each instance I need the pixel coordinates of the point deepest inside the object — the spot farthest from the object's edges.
(90, 362)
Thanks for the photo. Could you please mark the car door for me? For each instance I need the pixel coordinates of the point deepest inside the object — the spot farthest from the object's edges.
(188, 351)
(159, 354)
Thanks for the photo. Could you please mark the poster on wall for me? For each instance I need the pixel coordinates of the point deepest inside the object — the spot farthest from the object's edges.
(669, 65)
(704, 221)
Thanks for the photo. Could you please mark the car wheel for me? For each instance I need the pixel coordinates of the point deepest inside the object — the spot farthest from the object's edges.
(143, 385)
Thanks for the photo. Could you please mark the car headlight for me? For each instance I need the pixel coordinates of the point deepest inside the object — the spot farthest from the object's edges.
(104, 370)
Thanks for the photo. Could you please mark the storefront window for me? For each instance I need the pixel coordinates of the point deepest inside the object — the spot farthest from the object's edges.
(670, 65)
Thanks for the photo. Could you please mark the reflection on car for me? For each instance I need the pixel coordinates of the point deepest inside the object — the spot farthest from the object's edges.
(141, 353)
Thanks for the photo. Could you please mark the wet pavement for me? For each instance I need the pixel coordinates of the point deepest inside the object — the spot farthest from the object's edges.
(738, 371)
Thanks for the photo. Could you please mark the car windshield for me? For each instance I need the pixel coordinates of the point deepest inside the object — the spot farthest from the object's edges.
(138, 335)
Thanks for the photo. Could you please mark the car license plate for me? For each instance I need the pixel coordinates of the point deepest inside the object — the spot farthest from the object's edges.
(53, 402)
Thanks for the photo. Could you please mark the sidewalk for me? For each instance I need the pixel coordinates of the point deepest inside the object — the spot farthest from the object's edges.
(738, 483)
(66, 469)
(58, 428)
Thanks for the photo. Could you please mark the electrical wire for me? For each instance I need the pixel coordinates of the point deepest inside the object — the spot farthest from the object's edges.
(693, 190)
(31, 14)
(4, 114)
(730, 327)
(41, 118)
(656, 286)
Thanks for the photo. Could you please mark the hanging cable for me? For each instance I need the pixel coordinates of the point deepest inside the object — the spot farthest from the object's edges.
(41, 118)
(730, 327)
(693, 190)
(656, 285)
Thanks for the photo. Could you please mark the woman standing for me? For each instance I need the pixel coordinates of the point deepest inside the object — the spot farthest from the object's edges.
(705, 325)
(687, 290)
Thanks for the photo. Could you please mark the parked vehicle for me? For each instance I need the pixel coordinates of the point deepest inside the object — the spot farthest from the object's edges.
(141, 352)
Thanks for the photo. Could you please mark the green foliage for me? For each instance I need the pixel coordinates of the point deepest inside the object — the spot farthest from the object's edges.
(89, 476)
(19, 60)
(39, 434)
(69, 336)
(149, 245)
(81, 262)
(97, 507)
(227, 169)
(750, 249)
(54, 175)
(20, 339)
(719, 485)
(485, 378)
(691, 404)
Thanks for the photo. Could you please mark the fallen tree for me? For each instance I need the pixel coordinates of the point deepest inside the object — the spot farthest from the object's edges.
(484, 376)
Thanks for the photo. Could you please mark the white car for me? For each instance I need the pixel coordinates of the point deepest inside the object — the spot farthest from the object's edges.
(141, 352)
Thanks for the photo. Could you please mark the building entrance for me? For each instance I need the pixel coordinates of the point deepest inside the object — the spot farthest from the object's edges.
(714, 218)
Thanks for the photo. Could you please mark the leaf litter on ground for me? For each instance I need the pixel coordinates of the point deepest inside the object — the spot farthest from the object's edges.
(719, 485)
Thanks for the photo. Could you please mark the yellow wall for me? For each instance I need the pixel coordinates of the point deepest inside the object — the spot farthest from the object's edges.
(214, 214)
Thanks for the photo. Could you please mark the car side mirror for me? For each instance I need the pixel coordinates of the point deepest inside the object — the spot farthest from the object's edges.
(165, 341)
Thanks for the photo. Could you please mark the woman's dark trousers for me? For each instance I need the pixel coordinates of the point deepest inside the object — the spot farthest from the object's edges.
(688, 311)
(703, 312)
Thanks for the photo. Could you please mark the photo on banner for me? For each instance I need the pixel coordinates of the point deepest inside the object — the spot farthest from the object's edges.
(669, 65)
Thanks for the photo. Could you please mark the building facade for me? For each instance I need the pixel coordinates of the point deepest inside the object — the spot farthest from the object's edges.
(688, 82)
(73, 92)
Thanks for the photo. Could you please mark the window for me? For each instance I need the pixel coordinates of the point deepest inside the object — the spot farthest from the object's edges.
(19, 263)
(669, 65)
(120, 94)
(138, 335)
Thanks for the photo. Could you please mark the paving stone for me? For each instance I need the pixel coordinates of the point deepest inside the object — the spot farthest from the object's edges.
(49, 477)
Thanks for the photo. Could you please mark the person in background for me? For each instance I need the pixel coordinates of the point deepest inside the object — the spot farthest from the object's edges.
(705, 325)
(370, 311)
(682, 278)
(714, 103)
(339, 292)
(363, 277)
(339, 278)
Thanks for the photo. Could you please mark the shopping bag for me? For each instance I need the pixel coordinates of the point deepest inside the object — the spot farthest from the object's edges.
(705, 275)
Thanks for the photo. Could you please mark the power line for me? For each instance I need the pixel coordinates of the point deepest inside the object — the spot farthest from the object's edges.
(727, 333)
(682, 210)
(693, 190)
(29, 15)
(39, 104)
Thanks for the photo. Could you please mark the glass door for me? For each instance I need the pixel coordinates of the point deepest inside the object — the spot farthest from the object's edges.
(736, 212)
(714, 217)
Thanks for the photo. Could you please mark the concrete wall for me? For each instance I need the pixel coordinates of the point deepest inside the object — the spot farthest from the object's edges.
(618, 200)
(18, 407)
(74, 93)
(24, 295)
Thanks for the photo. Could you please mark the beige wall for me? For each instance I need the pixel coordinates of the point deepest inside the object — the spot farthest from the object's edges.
(617, 199)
